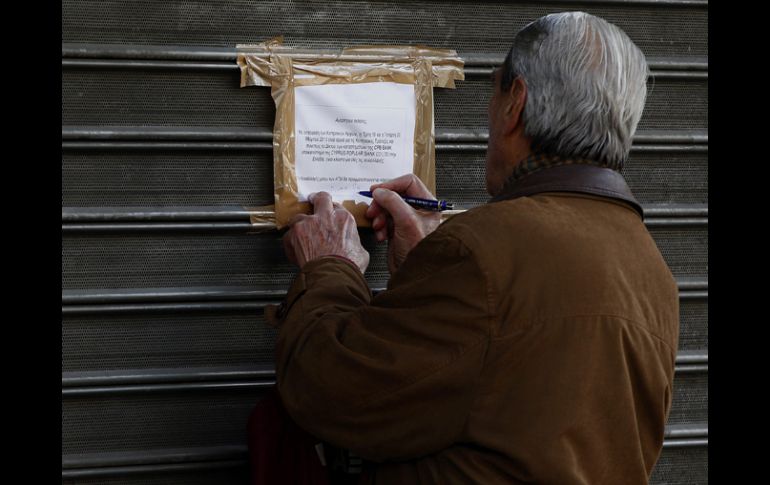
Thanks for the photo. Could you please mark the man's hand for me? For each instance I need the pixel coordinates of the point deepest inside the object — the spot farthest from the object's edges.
(330, 231)
(394, 219)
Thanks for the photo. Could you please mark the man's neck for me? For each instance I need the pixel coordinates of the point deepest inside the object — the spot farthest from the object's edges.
(537, 161)
(540, 173)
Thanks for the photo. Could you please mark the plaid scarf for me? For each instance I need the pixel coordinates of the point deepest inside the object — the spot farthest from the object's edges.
(538, 161)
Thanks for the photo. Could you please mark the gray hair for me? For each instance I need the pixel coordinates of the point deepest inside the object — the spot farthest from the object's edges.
(586, 86)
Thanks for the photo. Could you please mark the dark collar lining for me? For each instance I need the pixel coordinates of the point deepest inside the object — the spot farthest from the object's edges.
(581, 178)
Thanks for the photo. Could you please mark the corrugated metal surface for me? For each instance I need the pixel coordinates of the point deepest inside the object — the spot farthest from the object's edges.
(120, 97)
(144, 178)
(659, 28)
(164, 350)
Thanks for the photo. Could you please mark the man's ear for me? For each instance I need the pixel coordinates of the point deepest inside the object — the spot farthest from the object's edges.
(515, 100)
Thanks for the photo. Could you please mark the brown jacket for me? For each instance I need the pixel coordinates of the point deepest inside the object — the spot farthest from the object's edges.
(530, 340)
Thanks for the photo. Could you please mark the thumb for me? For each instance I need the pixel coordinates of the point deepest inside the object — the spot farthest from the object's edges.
(399, 210)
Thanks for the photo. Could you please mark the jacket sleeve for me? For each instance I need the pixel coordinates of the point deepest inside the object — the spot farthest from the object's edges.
(391, 377)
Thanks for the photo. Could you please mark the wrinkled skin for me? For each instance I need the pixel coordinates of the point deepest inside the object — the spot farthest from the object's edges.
(330, 231)
(395, 220)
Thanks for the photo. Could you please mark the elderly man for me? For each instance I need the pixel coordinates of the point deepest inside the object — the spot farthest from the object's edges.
(529, 340)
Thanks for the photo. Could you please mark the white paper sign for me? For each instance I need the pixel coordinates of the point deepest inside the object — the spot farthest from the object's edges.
(350, 136)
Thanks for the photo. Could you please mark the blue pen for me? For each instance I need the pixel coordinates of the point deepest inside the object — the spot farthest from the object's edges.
(424, 204)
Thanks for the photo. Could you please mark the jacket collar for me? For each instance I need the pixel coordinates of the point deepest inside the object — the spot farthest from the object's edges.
(575, 177)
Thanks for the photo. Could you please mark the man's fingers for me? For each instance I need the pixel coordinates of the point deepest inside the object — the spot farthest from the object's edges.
(399, 210)
(379, 222)
(408, 184)
(288, 247)
(373, 210)
(296, 219)
(322, 202)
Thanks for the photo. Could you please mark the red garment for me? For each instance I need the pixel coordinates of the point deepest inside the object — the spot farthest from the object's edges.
(280, 452)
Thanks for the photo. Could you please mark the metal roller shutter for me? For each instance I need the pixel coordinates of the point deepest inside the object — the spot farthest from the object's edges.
(164, 350)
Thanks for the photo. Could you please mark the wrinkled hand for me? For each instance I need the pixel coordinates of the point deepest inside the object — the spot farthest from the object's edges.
(330, 231)
(394, 219)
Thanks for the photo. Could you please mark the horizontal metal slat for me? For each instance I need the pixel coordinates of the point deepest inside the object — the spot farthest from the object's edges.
(247, 146)
(212, 213)
(120, 345)
(692, 357)
(692, 283)
(73, 392)
(170, 221)
(164, 133)
(156, 466)
(675, 210)
(146, 65)
(150, 296)
(681, 23)
(164, 214)
(227, 55)
(687, 431)
(154, 416)
(687, 443)
(200, 415)
(245, 227)
(692, 435)
(167, 308)
(181, 98)
(162, 145)
(92, 260)
(684, 221)
(195, 259)
(154, 457)
(180, 294)
(104, 472)
(256, 306)
(119, 255)
(251, 374)
(147, 52)
(159, 175)
(692, 369)
(222, 66)
(241, 227)
(242, 134)
(166, 375)
(116, 471)
(112, 390)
